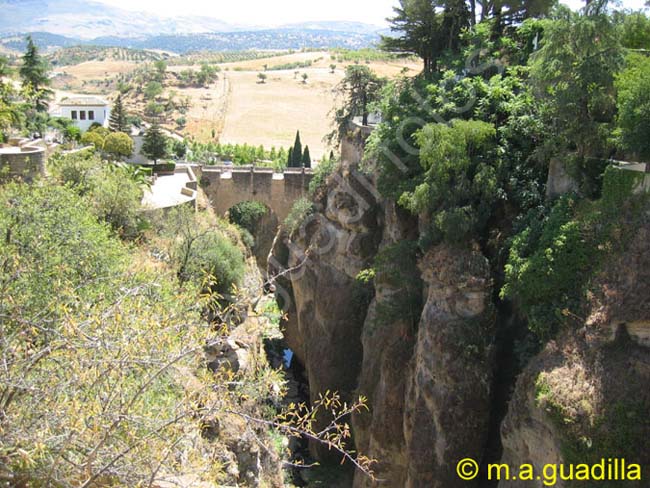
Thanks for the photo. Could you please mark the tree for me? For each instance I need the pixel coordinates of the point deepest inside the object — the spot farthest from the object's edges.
(635, 30)
(460, 184)
(34, 74)
(304, 78)
(154, 145)
(117, 121)
(290, 158)
(306, 158)
(152, 90)
(296, 153)
(360, 87)
(161, 68)
(118, 144)
(633, 87)
(573, 75)
(9, 113)
(332, 68)
(262, 78)
(428, 28)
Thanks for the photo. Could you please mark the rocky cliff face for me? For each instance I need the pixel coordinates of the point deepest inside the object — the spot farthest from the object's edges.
(585, 397)
(428, 368)
(426, 372)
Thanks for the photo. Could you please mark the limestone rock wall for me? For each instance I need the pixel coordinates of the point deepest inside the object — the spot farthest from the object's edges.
(428, 384)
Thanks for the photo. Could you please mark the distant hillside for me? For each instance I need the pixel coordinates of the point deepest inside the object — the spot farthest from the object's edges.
(87, 20)
(78, 54)
(272, 39)
(238, 41)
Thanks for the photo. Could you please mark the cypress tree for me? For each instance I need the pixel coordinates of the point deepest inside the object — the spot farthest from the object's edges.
(117, 120)
(306, 158)
(290, 158)
(296, 159)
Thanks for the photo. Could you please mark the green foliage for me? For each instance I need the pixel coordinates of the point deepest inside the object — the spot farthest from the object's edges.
(301, 209)
(396, 266)
(93, 138)
(555, 255)
(118, 145)
(296, 153)
(360, 88)
(306, 158)
(634, 30)
(81, 368)
(550, 261)
(72, 133)
(325, 168)
(113, 192)
(502, 100)
(34, 75)
(118, 119)
(633, 87)
(364, 55)
(247, 215)
(290, 66)
(573, 73)
(200, 250)
(460, 184)
(116, 199)
(239, 154)
(57, 244)
(427, 28)
(154, 145)
(152, 90)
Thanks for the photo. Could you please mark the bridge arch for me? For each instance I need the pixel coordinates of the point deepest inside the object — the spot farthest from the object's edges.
(226, 186)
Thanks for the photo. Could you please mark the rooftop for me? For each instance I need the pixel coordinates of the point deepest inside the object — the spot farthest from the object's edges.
(83, 102)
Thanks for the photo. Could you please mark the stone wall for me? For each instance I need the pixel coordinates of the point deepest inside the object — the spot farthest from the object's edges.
(228, 186)
(22, 158)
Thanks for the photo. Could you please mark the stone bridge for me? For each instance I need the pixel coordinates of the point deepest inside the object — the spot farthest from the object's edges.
(227, 186)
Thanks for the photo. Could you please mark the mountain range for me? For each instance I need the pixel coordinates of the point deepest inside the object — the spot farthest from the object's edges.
(68, 23)
(89, 20)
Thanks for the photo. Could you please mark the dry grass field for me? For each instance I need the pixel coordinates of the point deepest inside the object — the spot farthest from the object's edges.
(94, 70)
(239, 109)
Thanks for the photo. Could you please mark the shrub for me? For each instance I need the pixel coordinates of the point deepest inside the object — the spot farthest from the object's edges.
(201, 250)
(553, 258)
(74, 169)
(116, 199)
(325, 168)
(113, 192)
(93, 138)
(80, 367)
(213, 254)
(58, 246)
(118, 144)
(247, 214)
(301, 209)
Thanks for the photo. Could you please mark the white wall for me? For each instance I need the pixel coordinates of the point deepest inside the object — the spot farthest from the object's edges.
(101, 115)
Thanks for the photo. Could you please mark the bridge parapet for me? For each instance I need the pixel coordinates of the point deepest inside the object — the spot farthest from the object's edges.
(227, 186)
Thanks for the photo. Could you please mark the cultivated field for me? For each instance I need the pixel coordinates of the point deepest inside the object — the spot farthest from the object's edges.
(239, 109)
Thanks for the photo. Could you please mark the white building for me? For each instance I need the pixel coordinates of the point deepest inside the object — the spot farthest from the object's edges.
(85, 111)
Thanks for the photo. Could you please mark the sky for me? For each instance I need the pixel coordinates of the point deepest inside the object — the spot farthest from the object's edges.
(276, 12)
